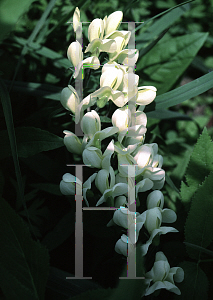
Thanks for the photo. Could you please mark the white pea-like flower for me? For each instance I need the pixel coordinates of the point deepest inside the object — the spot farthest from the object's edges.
(146, 94)
(162, 276)
(96, 30)
(69, 184)
(69, 99)
(92, 157)
(155, 199)
(121, 246)
(154, 217)
(91, 123)
(75, 55)
(121, 118)
(72, 142)
(105, 179)
(112, 22)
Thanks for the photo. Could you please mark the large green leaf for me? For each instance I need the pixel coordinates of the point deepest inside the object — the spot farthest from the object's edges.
(24, 263)
(34, 47)
(10, 12)
(30, 141)
(165, 63)
(160, 25)
(36, 89)
(195, 283)
(200, 165)
(185, 92)
(199, 223)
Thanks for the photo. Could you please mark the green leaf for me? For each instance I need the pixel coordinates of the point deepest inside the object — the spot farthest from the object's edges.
(61, 232)
(199, 223)
(30, 141)
(23, 262)
(164, 12)
(48, 187)
(55, 57)
(163, 114)
(36, 89)
(200, 165)
(209, 252)
(195, 283)
(10, 12)
(185, 92)
(94, 295)
(171, 183)
(165, 63)
(61, 288)
(201, 161)
(159, 26)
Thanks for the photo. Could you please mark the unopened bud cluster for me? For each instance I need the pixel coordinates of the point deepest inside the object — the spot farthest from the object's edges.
(128, 145)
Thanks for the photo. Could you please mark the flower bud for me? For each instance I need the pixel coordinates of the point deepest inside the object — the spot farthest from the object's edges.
(122, 245)
(72, 142)
(92, 157)
(74, 53)
(113, 21)
(68, 184)
(76, 18)
(69, 99)
(96, 30)
(91, 123)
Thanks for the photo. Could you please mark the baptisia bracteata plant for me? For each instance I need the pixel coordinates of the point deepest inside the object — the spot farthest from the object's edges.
(127, 147)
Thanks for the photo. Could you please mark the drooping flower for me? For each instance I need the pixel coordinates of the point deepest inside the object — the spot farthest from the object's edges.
(162, 276)
(154, 217)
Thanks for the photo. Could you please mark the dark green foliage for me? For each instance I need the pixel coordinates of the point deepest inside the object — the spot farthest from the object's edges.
(23, 262)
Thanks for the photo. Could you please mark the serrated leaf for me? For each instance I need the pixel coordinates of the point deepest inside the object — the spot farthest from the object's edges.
(185, 92)
(164, 64)
(199, 223)
(195, 283)
(30, 141)
(187, 193)
(201, 160)
(23, 262)
(200, 165)
(10, 12)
